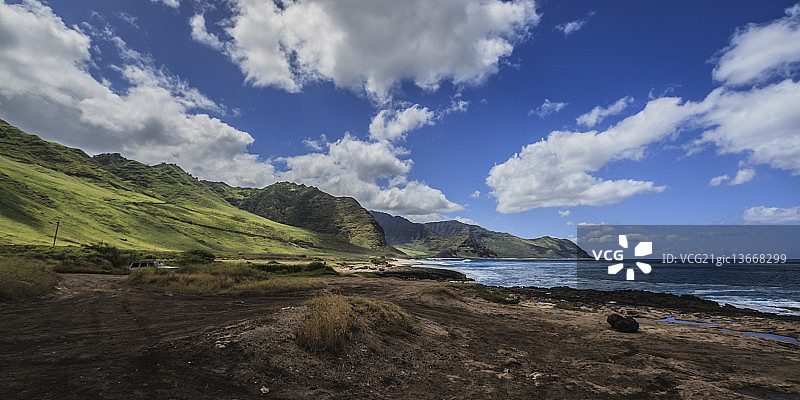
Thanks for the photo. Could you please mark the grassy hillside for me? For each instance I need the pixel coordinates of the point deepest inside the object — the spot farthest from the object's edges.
(167, 182)
(310, 208)
(130, 205)
(30, 149)
(456, 239)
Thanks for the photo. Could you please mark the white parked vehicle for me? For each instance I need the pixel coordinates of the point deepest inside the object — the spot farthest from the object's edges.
(148, 264)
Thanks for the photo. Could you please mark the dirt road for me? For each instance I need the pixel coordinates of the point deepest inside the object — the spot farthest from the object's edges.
(98, 337)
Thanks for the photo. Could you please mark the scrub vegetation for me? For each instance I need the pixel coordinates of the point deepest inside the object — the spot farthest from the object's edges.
(333, 320)
(20, 278)
(220, 278)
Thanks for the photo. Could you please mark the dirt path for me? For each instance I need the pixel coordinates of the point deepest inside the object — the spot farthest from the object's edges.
(100, 338)
(92, 337)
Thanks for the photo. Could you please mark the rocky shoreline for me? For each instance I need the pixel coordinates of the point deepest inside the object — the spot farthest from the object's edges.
(412, 273)
(590, 297)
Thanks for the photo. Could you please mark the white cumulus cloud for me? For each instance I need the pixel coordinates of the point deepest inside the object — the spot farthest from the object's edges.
(599, 113)
(760, 51)
(547, 108)
(465, 220)
(557, 171)
(772, 215)
(352, 167)
(568, 28)
(393, 125)
(371, 47)
(742, 176)
(761, 123)
(718, 180)
(201, 35)
(168, 3)
(564, 213)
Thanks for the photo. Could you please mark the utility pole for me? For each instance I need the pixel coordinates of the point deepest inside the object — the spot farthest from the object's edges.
(58, 222)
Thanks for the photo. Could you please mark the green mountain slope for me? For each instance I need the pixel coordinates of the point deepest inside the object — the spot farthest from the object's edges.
(130, 205)
(508, 245)
(457, 239)
(310, 208)
(167, 182)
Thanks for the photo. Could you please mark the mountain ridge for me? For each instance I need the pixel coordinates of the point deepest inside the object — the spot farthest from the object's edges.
(129, 204)
(450, 239)
(310, 208)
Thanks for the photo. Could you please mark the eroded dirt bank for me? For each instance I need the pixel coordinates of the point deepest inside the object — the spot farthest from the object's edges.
(97, 337)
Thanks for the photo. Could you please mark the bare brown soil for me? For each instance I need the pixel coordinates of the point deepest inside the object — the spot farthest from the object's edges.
(98, 337)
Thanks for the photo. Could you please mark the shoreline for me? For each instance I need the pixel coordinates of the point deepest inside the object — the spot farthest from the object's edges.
(680, 302)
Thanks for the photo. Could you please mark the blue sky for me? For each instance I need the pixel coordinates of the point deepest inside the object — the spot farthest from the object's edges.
(524, 117)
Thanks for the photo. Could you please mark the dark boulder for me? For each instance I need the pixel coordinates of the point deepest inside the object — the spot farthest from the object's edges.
(623, 324)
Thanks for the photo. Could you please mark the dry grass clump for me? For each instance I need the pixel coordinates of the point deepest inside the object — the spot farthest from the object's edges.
(219, 278)
(332, 320)
(21, 278)
(330, 323)
(382, 315)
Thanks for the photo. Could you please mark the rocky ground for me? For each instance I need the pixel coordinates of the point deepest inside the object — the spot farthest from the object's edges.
(98, 337)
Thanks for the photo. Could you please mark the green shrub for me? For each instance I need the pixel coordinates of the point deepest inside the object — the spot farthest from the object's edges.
(379, 261)
(196, 256)
(315, 268)
(21, 278)
(90, 258)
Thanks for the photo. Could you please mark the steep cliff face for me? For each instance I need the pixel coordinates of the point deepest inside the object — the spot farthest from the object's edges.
(310, 208)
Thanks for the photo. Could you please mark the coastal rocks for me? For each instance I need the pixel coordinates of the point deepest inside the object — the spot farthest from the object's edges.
(420, 273)
(622, 324)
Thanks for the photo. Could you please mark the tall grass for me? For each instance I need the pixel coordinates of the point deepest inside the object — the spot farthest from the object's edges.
(219, 278)
(91, 258)
(21, 278)
(332, 320)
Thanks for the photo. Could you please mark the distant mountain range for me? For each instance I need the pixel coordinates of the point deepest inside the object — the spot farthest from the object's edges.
(457, 239)
(128, 204)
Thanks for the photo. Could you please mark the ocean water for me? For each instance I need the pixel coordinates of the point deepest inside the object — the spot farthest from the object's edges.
(769, 288)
